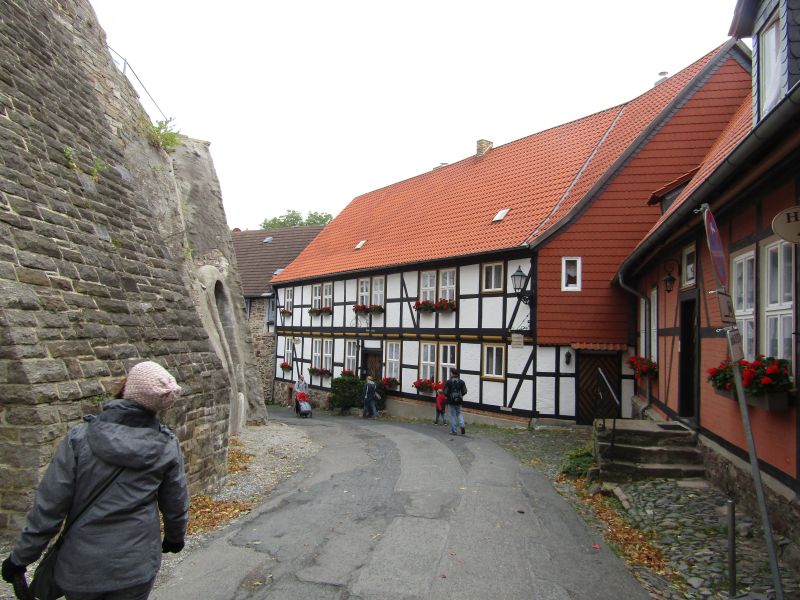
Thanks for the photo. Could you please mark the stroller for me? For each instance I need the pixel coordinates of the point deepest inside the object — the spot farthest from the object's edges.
(301, 405)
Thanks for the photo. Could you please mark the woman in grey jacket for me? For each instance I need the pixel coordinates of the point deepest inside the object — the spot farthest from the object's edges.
(113, 551)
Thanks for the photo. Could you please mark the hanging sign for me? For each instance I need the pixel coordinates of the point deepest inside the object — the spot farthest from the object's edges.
(719, 260)
(786, 224)
(517, 341)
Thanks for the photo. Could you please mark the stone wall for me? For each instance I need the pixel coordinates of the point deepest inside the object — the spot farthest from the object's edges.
(105, 255)
(263, 346)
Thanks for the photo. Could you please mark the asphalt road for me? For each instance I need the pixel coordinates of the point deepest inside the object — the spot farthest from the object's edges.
(391, 510)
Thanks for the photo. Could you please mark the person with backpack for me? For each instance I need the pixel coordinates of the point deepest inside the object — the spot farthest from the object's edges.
(370, 396)
(455, 389)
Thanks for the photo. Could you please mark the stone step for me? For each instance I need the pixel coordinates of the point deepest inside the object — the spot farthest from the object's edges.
(650, 454)
(626, 471)
(677, 436)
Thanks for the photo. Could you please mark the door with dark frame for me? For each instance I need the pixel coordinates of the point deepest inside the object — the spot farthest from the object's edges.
(687, 376)
(373, 363)
(594, 398)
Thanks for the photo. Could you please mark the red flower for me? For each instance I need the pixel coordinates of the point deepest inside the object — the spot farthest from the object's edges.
(766, 380)
(772, 369)
(713, 371)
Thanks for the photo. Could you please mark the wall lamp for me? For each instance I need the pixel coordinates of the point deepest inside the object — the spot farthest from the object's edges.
(518, 281)
(669, 279)
(567, 357)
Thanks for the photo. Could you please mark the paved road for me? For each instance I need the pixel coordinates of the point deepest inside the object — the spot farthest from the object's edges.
(389, 511)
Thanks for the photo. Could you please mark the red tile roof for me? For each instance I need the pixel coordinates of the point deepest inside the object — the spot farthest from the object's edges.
(257, 260)
(448, 211)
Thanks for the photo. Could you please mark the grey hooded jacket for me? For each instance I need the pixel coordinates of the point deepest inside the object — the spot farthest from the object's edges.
(116, 543)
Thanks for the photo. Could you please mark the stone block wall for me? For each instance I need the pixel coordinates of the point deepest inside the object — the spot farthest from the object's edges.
(263, 346)
(97, 263)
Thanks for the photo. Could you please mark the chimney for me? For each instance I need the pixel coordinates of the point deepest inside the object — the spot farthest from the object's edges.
(483, 147)
(663, 77)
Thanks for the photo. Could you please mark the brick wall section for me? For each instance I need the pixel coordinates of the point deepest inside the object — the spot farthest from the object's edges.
(89, 283)
(263, 346)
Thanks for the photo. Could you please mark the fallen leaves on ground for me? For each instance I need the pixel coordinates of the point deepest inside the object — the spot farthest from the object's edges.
(206, 514)
(237, 459)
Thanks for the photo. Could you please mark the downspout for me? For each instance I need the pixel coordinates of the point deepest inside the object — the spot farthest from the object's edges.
(646, 333)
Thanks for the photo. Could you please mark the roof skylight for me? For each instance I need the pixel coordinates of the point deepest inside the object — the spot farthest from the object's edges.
(360, 244)
(501, 215)
(267, 240)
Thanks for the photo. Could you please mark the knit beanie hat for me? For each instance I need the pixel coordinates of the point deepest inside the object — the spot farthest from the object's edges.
(151, 386)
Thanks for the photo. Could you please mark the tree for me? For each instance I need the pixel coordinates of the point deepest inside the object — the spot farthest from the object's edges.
(293, 218)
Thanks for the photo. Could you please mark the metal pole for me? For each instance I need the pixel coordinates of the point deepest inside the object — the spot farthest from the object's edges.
(731, 548)
(751, 447)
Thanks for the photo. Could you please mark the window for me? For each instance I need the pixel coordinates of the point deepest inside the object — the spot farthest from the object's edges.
(393, 360)
(743, 293)
(316, 295)
(377, 291)
(642, 325)
(363, 291)
(316, 353)
(327, 355)
(288, 299)
(288, 350)
(654, 324)
(447, 360)
(493, 277)
(570, 273)
(327, 295)
(769, 79)
(688, 266)
(447, 284)
(247, 307)
(779, 269)
(351, 355)
(427, 362)
(272, 310)
(427, 286)
(493, 361)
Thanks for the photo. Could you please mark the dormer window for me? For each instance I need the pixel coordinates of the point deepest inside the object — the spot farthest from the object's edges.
(769, 79)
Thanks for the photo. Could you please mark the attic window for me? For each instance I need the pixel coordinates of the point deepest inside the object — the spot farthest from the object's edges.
(267, 240)
(501, 215)
(360, 244)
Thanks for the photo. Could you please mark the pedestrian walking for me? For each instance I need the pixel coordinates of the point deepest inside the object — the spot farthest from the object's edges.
(370, 396)
(455, 390)
(441, 402)
(109, 479)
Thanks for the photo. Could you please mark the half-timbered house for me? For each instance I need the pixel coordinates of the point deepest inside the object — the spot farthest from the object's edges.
(418, 277)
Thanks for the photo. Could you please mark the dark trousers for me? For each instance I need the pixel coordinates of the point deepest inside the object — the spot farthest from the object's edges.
(438, 414)
(136, 592)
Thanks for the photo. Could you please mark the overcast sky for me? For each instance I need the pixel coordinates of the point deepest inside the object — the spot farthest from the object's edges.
(308, 104)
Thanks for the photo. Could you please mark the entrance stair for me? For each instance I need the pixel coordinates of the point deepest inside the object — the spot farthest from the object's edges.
(643, 448)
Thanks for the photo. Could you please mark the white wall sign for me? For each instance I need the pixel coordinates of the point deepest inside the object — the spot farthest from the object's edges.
(786, 224)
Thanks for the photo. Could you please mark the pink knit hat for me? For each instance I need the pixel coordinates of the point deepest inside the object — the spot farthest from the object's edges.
(151, 386)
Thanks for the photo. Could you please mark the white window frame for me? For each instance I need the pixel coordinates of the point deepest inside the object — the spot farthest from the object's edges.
(363, 291)
(378, 288)
(327, 295)
(769, 65)
(447, 284)
(272, 311)
(351, 355)
(288, 298)
(448, 359)
(570, 286)
(654, 324)
(778, 317)
(316, 295)
(288, 350)
(642, 324)
(743, 293)
(316, 353)
(492, 277)
(392, 360)
(327, 354)
(427, 286)
(688, 268)
(427, 360)
(490, 367)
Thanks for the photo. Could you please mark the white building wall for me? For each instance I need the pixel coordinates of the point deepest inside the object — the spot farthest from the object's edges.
(566, 398)
(469, 280)
(545, 358)
(492, 316)
(468, 313)
(524, 400)
(492, 393)
(546, 395)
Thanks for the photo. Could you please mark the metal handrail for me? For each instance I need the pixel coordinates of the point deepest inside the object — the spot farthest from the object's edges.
(609, 452)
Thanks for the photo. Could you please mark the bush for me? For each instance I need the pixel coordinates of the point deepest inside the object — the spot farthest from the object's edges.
(382, 390)
(577, 462)
(346, 393)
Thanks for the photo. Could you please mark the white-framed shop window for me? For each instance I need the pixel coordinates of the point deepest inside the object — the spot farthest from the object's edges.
(492, 280)
(654, 324)
(316, 295)
(378, 284)
(447, 284)
(571, 274)
(351, 355)
(743, 292)
(688, 266)
(494, 361)
(363, 291)
(427, 361)
(779, 295)
(327, 295)
(316, 353)
(327, 354)
(393, 360)
(447, 360)
(427, 286)
(769, 65)
(288, 298)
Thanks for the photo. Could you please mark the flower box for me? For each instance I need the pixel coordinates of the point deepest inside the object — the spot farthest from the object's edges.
(347, 373)
(642, 367)
(425, 306)
(773, 401)
(286, 312)
(285, 366)
(363, 309)
(761, 377)
(445, 306)
(322, 311)
(427, 386)
(319, 372)
(390, 383)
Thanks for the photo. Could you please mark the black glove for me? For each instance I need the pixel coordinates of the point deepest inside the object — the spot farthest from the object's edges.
(167, 546)
(10, 569)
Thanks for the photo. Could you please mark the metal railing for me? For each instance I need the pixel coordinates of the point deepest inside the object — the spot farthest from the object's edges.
(609, 452)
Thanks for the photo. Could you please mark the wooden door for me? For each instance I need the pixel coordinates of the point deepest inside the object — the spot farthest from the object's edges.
(687, 376)
(594, 398)
(373, 363)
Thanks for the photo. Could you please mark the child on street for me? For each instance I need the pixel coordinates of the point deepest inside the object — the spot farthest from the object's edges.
(441, 400)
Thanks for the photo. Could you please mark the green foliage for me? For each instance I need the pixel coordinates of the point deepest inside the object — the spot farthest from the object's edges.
(577, 461)
(98, 167)
(380, 403)
(187, 251)
(161, 135)
(69, 154)
(116, 243)
(346, 393)
(293, 218)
